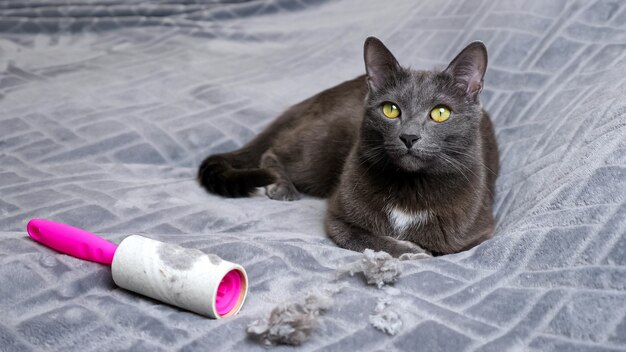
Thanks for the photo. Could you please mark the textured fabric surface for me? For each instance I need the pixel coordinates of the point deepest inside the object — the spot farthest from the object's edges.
(107, 107)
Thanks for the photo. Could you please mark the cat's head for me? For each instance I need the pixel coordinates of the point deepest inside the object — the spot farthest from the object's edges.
(422, 121)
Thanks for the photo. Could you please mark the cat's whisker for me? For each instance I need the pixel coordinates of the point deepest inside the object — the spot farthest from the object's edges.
(373, 159)
(462, 150)
(473, 157)
(473, 173)
(460, 171)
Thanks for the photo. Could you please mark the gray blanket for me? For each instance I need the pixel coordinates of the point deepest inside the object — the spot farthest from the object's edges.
(107, 107)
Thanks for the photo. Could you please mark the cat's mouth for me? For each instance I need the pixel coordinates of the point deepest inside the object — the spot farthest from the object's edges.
(420, 154)
(413, 159)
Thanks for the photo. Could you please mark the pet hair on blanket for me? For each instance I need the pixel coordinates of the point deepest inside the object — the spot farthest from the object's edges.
(378, 268)
(292, 323)
(384, 318)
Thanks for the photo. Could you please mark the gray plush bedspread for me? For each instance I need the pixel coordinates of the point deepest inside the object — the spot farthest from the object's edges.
(107, 107)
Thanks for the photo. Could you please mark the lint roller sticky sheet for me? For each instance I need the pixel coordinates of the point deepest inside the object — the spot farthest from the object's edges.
(183, 277)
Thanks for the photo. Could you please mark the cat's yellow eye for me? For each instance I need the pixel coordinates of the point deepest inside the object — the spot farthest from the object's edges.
(391, 110)
(440, 113)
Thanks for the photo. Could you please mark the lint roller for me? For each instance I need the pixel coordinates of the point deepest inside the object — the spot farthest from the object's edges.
(183, 277)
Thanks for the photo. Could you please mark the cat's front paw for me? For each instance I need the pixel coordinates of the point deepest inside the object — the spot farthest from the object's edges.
(282, 191)
(414, 256)
(411, 251)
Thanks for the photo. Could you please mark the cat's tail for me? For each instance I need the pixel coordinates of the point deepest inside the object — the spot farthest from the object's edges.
(234, 174)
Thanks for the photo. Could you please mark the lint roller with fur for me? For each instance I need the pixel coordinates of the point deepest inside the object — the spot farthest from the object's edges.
(183, 277)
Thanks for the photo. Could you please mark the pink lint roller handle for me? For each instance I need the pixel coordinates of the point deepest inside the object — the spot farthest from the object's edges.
(184, 277)
(72, 241)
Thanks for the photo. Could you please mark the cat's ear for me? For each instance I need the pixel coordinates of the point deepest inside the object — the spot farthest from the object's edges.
(380, 64)
(468, 68)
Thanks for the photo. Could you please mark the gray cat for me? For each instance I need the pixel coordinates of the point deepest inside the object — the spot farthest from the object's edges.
(407, 158)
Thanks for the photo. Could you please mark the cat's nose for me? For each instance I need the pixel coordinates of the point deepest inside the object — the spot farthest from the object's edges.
(409, 139)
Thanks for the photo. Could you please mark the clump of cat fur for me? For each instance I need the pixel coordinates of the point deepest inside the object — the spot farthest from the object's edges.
(292, 323)
(386, 319)
(378, 268)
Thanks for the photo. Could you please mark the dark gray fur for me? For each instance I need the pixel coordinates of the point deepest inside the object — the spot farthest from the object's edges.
(338, 144)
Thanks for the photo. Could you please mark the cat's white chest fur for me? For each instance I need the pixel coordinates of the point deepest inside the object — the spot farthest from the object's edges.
(401, 220)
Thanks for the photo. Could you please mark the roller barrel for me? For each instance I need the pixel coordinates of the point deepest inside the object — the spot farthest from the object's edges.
(183, 277)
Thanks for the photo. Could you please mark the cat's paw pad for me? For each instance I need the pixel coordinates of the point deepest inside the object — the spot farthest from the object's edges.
(281, 191)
